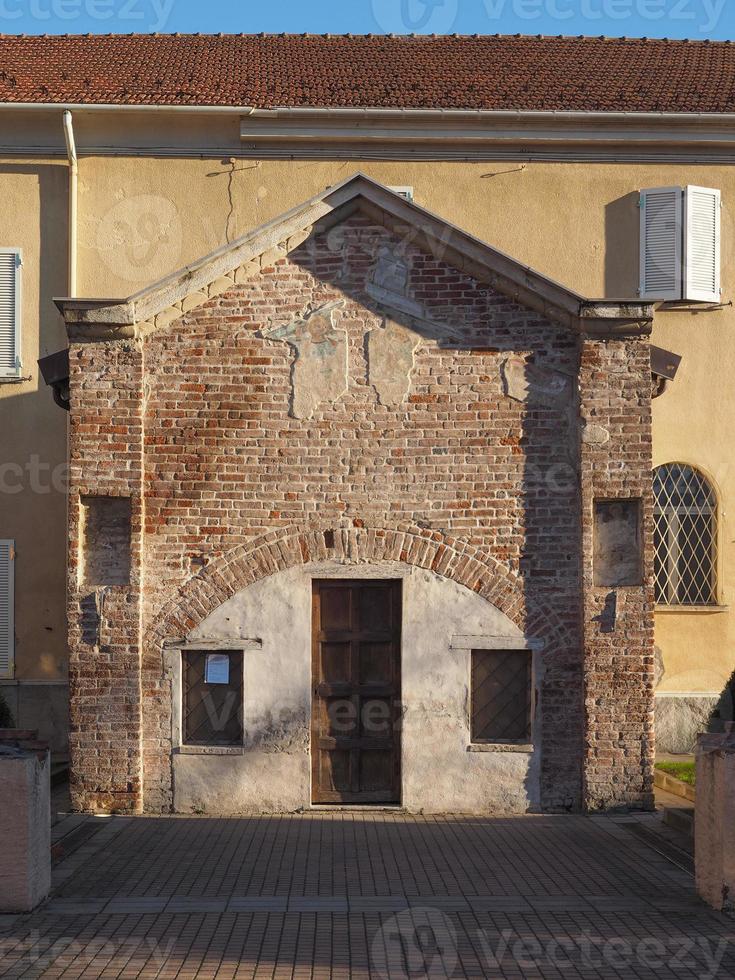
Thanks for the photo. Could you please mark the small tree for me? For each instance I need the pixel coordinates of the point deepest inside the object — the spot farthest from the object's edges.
(6, 715)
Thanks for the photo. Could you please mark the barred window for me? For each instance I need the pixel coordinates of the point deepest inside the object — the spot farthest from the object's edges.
(212, 697)
(685, 537)
(501, 696)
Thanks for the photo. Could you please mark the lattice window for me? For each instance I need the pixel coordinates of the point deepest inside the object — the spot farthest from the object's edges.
(501, 696)
(685, 537)
(212, 701)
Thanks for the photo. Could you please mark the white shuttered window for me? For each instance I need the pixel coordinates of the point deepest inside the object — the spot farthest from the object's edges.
(702, 220)
(661, 243)
(7, 607)
(680, 244)
(10, 262)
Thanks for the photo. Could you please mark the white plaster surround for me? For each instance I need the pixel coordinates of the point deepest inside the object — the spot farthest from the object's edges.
(271, 622)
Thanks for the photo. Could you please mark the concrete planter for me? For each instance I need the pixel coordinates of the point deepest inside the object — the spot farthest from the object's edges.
(715, 819)
(677, 787)
(25, 821)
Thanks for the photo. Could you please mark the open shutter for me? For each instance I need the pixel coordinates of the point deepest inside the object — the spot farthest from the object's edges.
(7, 608)
(702, 220)
(9, 313)
(661, 243)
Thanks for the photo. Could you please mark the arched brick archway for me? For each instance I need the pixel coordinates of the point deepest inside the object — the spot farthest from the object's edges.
(284, 548)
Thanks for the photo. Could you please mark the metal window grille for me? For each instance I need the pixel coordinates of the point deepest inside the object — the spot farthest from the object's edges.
(212, 713)
(685, 537)
(501, 695)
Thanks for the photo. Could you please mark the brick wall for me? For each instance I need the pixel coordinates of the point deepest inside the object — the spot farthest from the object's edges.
(615, 393)
(105, 446)
(250, 465)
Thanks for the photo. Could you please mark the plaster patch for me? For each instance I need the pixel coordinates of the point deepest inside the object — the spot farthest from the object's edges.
(105, 533)
(389, 282)
(595, 435)
(391, 271)
(526, 382)
(617, 544)
(319, 372)
(391, 350)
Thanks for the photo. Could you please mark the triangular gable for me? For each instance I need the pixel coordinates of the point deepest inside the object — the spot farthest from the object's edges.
(163, 302)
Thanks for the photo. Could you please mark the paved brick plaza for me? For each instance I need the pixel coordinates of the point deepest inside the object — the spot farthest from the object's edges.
(368, 895)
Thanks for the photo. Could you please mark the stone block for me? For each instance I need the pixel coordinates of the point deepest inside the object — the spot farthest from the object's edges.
(681, 718)
(714, 825)
(25, 828)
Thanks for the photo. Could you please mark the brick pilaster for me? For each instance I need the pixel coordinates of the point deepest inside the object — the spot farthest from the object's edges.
(616, 461)
(104, 619)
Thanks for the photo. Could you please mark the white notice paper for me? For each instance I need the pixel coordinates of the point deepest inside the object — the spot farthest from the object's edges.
(217, 669)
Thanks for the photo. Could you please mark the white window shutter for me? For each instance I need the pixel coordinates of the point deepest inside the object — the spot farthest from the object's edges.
(9, 312)
(661, 243)
(702, 223)
(7, 608)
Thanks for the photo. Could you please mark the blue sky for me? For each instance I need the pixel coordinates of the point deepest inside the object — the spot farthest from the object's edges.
(653, 18)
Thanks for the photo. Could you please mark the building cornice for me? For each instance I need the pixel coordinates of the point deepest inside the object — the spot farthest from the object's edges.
(379, 134)
(473, 131)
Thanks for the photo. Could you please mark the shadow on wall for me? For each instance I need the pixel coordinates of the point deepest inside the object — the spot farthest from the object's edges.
(622, 259)
(523, 469)
(724, 710)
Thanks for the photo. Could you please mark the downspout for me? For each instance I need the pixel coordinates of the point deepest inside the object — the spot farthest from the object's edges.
(71, 152)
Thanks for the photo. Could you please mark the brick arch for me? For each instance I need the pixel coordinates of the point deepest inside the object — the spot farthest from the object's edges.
(284, 548)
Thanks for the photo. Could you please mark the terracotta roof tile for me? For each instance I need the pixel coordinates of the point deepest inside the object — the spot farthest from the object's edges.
(416, 72)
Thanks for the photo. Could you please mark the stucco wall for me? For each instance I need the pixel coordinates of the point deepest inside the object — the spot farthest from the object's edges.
(33, 457)
(272, 772)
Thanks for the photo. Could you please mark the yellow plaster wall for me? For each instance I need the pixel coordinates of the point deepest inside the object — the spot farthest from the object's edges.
(32, 461)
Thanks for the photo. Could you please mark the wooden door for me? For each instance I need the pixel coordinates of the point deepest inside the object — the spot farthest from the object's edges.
(356, 705)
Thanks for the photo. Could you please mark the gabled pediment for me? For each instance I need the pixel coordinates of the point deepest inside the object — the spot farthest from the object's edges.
(161, 303)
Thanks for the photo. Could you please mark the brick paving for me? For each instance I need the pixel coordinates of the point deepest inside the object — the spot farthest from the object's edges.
(360, 894)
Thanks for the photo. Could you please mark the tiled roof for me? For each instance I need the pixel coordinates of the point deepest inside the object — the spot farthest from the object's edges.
(415, 72)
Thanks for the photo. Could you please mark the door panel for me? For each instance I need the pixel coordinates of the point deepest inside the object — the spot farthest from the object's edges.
(356, 706)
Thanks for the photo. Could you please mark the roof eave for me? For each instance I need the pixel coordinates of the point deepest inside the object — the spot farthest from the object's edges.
(395, 112)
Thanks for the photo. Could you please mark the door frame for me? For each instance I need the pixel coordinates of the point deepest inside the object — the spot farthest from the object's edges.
(397, 581)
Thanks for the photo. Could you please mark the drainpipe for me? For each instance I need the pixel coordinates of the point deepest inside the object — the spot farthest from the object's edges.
(71, 152)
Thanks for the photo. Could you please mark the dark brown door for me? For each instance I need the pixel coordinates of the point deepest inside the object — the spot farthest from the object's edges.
(356, 708)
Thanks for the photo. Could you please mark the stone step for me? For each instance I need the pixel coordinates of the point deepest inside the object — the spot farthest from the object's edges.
(679, 818)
